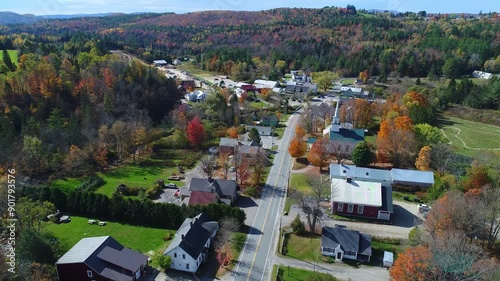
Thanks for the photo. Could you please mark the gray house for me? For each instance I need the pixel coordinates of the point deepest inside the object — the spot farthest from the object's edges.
(341, 243)
(227, 190)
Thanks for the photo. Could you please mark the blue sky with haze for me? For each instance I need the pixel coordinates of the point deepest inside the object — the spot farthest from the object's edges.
(51, 7)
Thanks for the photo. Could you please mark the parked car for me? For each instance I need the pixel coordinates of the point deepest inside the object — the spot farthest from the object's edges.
(423, 209)
(171, 185)
(101, 223)
(64, 219)
(92, 222)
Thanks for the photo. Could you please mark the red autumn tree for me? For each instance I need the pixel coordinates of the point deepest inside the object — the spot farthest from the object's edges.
(243, 170)
(297, 148)
(233, 132)
(477, 176)
(195, 132)
(396, 141)
(224, 255)
(415, 264)
(319, 156)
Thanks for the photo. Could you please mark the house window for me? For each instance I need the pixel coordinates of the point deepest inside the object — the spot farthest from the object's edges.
(350, 208)
(89, 273)
(175, 255)
(367, 173)
(361, 209)
(340, 207)
(187, 265)
(183, 256)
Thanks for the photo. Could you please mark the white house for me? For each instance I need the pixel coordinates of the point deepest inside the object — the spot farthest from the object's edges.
(189, 249)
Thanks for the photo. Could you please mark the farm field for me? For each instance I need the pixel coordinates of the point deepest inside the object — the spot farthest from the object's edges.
(142, 239)
(471, 138)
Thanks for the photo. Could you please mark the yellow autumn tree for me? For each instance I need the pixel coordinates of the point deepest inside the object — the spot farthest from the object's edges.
(424, 159)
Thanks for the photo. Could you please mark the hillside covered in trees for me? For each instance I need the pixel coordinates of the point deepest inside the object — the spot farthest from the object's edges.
(270, 42)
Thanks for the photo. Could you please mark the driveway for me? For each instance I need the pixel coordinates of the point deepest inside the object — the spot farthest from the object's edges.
(168, 196)
(406, 216)
(339, 270)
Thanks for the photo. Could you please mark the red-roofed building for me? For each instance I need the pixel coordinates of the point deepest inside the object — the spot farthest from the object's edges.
(203, 198)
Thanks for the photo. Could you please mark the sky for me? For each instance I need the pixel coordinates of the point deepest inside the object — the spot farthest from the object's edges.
(58, 7)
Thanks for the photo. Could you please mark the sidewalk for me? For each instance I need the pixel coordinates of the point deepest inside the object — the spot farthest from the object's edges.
(339, 270)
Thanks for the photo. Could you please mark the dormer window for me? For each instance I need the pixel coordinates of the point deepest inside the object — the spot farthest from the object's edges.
(89, 273)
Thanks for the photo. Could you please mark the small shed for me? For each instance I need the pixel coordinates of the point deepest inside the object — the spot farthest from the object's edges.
(388, 259)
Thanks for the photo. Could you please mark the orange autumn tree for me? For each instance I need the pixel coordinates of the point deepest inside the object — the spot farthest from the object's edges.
(300, 133)
(424, 159)
(233, 132)
(415, 264)
(396, 141)
(319, 156)
(297, 148)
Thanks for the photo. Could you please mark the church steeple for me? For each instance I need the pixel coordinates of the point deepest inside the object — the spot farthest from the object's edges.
(336, 119)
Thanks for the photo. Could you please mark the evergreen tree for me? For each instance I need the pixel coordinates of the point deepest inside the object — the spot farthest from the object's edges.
(7, 61)
(362, 155)
(253, 135)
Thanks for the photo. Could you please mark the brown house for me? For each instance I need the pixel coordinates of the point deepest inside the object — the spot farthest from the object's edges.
(101, 259)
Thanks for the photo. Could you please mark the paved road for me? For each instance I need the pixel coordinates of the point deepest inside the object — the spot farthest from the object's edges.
(255, 261)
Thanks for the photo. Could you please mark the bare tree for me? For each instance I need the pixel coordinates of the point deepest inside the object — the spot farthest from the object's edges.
(227, 227)
(341, 150)
(489, 207)
(457, 260)
(224, 162)
(207, 165)
(310, 203)
(440, 157)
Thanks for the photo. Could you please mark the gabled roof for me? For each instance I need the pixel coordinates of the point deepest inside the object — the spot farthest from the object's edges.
(249, 150)
(349, 240)
(357, 192)
(341, 171)
(270, 118)
(106, 256)
(193, 235)
(221, 187)
(202, 198)
(347, 135)
(228, 142)
(412, 176)
(266, 131)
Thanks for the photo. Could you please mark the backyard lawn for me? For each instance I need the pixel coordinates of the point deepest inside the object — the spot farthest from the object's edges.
(131, 175)
(304, 248)
(299, 182)
(138, 238)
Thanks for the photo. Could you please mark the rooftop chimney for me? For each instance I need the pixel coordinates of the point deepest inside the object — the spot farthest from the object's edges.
(182, 236)
(348, 179)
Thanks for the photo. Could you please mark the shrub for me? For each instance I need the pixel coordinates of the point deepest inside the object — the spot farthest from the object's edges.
(154, 192)
(131, 191)
(253, 191)
(168, 236)
(298, 226)
(91, 183)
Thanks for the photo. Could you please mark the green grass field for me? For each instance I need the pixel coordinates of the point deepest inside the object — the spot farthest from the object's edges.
(131, 175)
(13, 56)
(347, 81)
(299, 182)
(469, 138)
(138, 238)
(296, 274)
(304, 248)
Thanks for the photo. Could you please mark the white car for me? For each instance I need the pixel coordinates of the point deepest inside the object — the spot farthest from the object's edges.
(423, 208)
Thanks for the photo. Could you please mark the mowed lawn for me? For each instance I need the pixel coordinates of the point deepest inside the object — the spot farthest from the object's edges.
(476, 136)
(138, 238)
(304, 248)
(130, 175)
(13, 56)
(299, 182)
(296, 274)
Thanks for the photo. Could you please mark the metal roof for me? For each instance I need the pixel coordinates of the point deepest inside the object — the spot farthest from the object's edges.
(124, 258)
(412, 176)
(340, 171)
(357, 192)
(82, 250)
